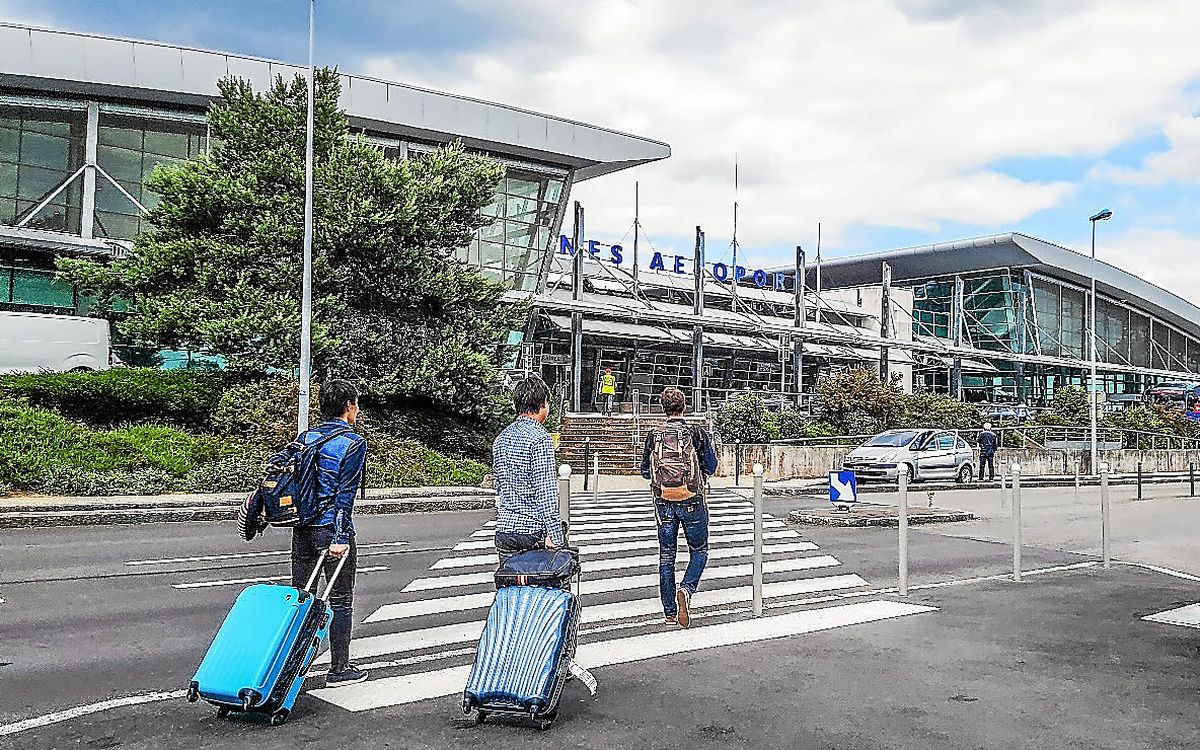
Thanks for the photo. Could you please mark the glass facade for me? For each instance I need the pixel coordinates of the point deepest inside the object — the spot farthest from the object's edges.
(28, 283)
(1050, 318)
(39, 150)
(523, 215)
(128, 149)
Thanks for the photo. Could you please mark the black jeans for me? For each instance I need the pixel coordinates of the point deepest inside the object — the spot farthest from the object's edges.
(307, 543)
(988, 460)
(509, 543)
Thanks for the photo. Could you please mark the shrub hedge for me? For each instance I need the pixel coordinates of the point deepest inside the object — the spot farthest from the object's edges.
(122, 395)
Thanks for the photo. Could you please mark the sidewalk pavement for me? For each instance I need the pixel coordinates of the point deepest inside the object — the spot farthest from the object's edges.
(23, 511)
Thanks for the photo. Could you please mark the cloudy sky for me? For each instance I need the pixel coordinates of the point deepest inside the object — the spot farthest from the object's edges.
(891, 122)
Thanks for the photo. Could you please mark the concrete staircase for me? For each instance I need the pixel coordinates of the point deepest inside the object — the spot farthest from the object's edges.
(617, 440)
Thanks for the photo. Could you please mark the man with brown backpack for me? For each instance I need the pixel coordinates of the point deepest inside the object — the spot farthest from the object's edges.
(678, 459)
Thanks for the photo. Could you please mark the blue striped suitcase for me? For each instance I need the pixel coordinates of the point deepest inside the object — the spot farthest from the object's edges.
(259, 657)
(524, 654)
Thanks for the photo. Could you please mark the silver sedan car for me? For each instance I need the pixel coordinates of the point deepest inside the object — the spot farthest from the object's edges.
(924, 454)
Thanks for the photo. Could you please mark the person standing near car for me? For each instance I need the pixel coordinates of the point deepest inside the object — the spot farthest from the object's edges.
(678, 458)
(527, 514)
(988, 443)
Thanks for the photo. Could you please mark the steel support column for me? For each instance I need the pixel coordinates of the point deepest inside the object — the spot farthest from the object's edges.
(88, 220)
(799, 281)
(885, 322)
(697, 329)
(956, 329)
(576, 361)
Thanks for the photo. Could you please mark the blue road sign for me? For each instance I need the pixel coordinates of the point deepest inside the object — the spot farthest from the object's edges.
(843, 487)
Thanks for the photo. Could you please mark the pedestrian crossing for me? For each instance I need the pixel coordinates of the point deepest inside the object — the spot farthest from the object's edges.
(421, 645)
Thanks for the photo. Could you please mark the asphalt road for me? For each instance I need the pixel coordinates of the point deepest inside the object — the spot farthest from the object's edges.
(1061, 660)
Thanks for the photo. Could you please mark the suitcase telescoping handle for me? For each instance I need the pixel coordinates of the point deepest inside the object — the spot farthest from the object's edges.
(319, 567)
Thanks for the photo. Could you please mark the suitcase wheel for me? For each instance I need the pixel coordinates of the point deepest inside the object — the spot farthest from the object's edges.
(222, 712)
(193, 692)
(279, 717)
(480, 717)
(544, 724)
(249, 698)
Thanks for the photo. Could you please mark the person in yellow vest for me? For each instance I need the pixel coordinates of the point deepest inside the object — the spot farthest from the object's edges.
(608, 389)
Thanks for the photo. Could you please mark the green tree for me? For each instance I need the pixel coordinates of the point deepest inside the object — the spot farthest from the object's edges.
(1068, 406)
(939, 411)
(858, 402)
(220, 268)
(743, 420)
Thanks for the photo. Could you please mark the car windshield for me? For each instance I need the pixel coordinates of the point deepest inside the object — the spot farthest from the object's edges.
(893, 439)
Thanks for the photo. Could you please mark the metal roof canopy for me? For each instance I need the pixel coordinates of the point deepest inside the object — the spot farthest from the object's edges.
(41, 60)
(1003, 251)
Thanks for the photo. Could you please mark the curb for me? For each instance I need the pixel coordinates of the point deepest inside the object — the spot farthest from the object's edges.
(818, 488)
(224, 507)
(875, 515)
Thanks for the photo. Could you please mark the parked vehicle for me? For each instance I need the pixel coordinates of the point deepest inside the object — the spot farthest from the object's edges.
(31, 342)
(1007, 412)
(922, 453)
(1172, 392)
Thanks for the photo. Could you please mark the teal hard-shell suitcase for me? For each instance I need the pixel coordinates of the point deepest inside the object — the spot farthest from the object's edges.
(260, 655)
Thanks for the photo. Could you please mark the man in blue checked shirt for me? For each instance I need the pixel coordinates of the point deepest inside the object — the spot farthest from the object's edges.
(340, 476)
(526, 478)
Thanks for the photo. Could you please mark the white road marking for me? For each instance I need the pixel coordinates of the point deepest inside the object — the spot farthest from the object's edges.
(634, 524)
(1158, 569)
(1187, 616)
(243, 555)
(464, 602)
(393, 691)
(260, 579)
(609, 536)
(615, 563)
(74, 713)
(648, 512)
(445, 635)
(649, 541)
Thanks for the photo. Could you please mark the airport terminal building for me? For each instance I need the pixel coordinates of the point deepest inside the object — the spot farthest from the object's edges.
(1005, 318)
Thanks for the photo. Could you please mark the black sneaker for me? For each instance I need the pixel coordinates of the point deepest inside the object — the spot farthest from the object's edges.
(351, 675)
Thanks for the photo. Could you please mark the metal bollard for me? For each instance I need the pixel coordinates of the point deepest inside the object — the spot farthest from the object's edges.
(1016, 514)
(1191, 479)
(564, 492)
(587, 460)
(903, 522)
(1139, 496)
(758, 540)
(1003, 488)
(737, 464)
(1077, 480)
(1104, 516)
(595, 475)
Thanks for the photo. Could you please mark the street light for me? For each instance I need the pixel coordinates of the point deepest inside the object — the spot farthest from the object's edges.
(1103, 215)
(306, 301)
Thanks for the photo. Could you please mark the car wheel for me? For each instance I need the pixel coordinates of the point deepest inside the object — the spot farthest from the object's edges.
(965, 474)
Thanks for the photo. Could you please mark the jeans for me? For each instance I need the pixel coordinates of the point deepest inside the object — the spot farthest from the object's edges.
(693, 516)
(608, 403)
(307, 543)
(988, 460)
(509, 543)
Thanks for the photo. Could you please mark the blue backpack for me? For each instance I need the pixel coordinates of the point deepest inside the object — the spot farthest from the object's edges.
(287, 492)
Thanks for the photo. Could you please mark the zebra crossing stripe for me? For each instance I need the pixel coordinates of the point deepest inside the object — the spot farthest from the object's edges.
(474, 561)
(392, 691)
(465, 602)
(446, 635)
(633, 524)
(614, 535)
(615, 563)
(647, 542)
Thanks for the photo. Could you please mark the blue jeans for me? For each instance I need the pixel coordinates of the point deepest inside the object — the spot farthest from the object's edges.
(509, 543)
(693, 516)
(307, 543)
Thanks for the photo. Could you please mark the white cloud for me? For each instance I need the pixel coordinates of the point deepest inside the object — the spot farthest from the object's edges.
(13, 11)
(1165, 257)
(1180, 163)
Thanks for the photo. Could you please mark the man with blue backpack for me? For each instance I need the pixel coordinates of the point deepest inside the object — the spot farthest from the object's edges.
(310, 486)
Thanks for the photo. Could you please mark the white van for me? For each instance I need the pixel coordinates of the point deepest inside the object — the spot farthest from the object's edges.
(31, 342)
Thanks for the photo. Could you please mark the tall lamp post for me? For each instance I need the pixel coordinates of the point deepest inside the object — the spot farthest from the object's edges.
(306, 302)
(1104, 215)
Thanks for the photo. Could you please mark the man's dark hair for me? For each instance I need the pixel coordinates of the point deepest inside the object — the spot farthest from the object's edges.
(530, 394)
(336, 397)
(673, 401)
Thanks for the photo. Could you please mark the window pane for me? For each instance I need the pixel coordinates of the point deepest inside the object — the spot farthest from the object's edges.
(553, 190)
(10, 139)
(130, 138)
(116, 225)
(45, 151)
(120, 163)
(167, 144)
(32, 287)
(526, 188)
(8, 180)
